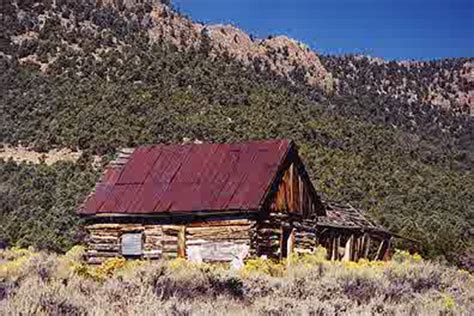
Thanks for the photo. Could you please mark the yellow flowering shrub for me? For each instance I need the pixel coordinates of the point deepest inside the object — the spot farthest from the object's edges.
(14, 253)
(449, 302)
(107, 269)
(11, 266)
(263, 266)
(179, 263)
(402, 256)
(14, 260)
(76, 253)
(316, 257)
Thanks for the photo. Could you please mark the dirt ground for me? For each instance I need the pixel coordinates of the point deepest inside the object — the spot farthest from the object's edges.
(20, 154)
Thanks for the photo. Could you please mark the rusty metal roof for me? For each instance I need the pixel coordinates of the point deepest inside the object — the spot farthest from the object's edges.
(190, 177)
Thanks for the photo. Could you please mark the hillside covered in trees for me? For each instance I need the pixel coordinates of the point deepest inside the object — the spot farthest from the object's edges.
(97, 78)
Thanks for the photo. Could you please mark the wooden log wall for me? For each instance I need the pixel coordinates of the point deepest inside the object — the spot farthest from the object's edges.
(218, 241)
(306, 238)
(269, 234)
(170, 241)
(265, 239)
(104, 240)
(274, 236)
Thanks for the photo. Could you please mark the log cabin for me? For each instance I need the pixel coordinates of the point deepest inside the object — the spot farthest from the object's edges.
(219, 203)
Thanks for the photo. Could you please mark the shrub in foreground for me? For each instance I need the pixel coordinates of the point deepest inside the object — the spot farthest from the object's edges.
(41, 283)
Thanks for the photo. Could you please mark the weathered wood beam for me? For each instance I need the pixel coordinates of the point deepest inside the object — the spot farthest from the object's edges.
(348, 249)
(182, 242)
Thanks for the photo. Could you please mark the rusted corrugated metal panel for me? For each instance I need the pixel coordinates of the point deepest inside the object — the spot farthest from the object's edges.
(97, 198)
(128, 194)
(245, 159)
(259, 179)
(193, 177)
(139, 165)
(110, 176)
(112, 194)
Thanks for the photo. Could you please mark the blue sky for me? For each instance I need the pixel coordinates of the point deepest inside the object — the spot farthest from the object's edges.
(391, 29)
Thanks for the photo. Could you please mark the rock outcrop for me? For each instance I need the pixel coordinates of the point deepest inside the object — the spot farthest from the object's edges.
(281, 55)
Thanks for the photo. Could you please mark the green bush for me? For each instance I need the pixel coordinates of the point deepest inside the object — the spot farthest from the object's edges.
(38, 203)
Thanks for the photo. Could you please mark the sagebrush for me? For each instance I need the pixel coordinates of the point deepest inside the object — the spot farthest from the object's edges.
(40, 283)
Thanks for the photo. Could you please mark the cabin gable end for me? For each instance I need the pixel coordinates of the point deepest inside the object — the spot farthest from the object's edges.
(292, 191)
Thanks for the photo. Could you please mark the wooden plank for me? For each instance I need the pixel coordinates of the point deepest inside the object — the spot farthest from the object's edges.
(132, 230)
(236, 222)
(170, 247)
(215, 238)
(153, 254)
(367, 246)
(214, 230)
(348, 249)
(355, 249)
(338, 246)
(301, 196)
(386, 254)
(172, 227)
(102, 239)
(381, 250)
(104, 247)
(150, 232)
(182, 242)
(103, 226)
(170, 242)
(154, 227)
(212, 241)
(226, 234)
(115, 234)
(217, 251)
(291, 188)
(153, 239)
(333, 249)
(283, 244)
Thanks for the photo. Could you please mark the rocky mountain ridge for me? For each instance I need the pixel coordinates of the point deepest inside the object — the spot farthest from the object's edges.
(448, 84)
(280, 55)
(451, 87)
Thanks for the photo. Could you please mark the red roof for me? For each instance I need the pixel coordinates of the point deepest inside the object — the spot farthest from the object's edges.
(191, 177)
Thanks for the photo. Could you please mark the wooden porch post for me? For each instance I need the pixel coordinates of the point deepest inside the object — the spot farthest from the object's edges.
(182, 242)
(348, 249)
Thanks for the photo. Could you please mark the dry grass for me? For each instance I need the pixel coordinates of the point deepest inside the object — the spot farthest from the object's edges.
(41, 283)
